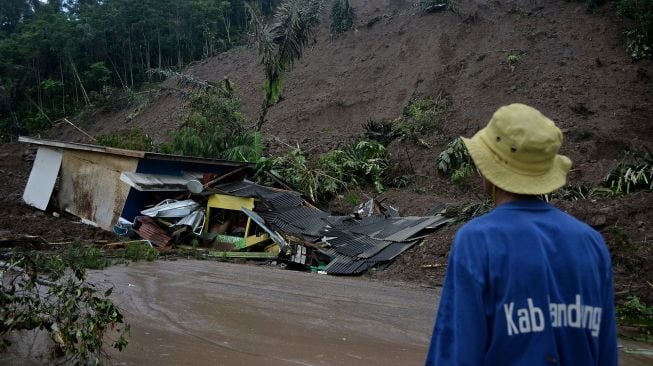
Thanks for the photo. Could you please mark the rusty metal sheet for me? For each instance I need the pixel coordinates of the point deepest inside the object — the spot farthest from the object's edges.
(149, 230)
(90, 185)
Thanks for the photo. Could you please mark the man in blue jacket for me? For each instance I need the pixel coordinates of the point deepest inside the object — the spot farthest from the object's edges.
(527, 284)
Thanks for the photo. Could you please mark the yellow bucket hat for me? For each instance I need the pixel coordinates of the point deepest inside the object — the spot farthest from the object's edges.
(518, 151)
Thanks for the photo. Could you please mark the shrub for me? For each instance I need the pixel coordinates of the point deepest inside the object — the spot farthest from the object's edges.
(456, 162)
(357, 164)
(422, 117)
(134, 139)
(140, 251)
(639, 38)
(82, 256)
(57, 299)
(379, 131)
(343, 17)
(634, 312)
(350, 167)
(213, 127)
(296, 171)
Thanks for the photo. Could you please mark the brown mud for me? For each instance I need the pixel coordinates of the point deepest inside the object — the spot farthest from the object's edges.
(212, 313)
(207, 313)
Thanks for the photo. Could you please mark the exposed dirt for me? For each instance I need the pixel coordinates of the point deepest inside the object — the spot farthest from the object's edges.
(572, 66)
(624, 223)
(19, 219)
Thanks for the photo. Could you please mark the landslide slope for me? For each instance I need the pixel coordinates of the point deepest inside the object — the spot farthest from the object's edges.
(573, 67)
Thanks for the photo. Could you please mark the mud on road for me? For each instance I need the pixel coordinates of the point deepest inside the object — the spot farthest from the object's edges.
(190, 312)
(208, 313)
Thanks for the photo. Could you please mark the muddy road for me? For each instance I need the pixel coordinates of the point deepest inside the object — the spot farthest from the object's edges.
(189, 312)
(208, 313)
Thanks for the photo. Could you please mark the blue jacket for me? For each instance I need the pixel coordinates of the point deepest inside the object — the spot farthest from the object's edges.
(527, 284)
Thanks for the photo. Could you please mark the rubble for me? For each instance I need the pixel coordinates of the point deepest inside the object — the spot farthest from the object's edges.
(171, 201)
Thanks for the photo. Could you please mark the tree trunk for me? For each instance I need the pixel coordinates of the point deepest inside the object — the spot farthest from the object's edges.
(227, 26)
(63, 89)
(158, 39)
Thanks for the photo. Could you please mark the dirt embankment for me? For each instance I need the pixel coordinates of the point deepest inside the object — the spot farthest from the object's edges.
(571, 64)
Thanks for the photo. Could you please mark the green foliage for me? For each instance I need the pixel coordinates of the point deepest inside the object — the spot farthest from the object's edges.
(635, 172)
(513, 58)
(346, 168)
(140, 251)
(633, 312)
(422, 117)
(213, 127)
(572, 193)
(380, 131)
(456, 162)
(63, 304)
(296, 171)
(134, 139)
(639, 38)
(61, 56)
(357, 164)
(343, 17)
(89, 257)
(466, 212)
(282, 43)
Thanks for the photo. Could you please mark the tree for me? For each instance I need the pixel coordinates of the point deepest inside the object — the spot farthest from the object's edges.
(282, 43)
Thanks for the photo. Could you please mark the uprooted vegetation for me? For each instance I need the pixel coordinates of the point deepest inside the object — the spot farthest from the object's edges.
(420, 118)
(633, 173)
(349, 167)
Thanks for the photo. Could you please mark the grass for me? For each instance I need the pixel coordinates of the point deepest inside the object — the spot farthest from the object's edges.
(635, 313)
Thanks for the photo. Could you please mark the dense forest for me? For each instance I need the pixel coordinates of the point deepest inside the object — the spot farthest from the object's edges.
(58, 57)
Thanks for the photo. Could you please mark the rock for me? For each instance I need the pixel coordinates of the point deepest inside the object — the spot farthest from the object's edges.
(598, 220)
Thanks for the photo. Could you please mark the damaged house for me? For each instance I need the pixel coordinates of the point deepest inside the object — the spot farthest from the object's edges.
(171, 200)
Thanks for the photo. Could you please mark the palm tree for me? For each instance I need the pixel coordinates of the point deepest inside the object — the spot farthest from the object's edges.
(281, 43)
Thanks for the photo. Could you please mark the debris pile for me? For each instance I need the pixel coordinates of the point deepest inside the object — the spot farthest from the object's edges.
(210, 204)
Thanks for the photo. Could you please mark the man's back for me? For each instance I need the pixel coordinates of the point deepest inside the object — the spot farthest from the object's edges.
(532, 285)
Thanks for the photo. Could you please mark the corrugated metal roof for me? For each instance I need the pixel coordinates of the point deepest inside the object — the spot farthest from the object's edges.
(131, 153)
(397, 228)
(275, 197)
(342, 265)
(374, 249)
(149, 230)
(391, 251)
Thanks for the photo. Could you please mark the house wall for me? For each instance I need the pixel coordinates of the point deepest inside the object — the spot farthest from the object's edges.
(90, 185)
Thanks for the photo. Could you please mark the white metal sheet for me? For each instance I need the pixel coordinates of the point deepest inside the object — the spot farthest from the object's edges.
(42, 178)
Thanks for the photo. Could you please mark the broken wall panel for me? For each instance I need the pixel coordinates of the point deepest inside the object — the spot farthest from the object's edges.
(90, 185)
(42, 177)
